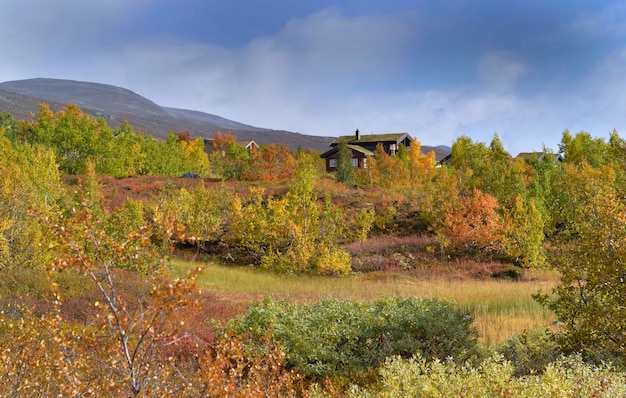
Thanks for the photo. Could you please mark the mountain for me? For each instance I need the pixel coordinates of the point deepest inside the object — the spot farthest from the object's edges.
(116, 104)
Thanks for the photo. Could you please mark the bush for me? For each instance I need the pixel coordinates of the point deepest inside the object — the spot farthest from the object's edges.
(348, 341)
(333, 261)
(568, 377)
(509, 272)
(530, 352)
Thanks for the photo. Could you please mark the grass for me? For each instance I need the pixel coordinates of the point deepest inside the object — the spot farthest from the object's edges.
(501, 308)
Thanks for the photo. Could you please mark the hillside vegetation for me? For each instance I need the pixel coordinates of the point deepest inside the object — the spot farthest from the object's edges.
(258, 274)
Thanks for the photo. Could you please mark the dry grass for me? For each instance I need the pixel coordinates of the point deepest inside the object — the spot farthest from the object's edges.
(501, 308)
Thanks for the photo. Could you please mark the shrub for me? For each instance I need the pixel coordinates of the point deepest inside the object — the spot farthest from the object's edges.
(333, 261)
(509, 272)
(568, 377)
(348, 341)
(229, 371)
(530, 352)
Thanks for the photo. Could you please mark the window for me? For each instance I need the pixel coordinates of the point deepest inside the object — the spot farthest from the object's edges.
(355, 162)
(392, 148)
(332, 163)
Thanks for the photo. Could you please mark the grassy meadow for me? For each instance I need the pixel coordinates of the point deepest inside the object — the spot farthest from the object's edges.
(501, 308)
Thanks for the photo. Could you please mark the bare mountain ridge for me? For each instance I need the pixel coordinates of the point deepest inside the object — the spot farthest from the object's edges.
(116, 104)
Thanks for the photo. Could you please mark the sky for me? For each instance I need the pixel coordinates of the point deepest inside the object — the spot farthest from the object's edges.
(525, 70)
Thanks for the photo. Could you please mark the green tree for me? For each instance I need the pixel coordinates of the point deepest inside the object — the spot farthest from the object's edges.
(290, 233)
(470, 159)
(583, 148)
(403, 154)
(232, 162)
(546, 176)
(345, 169)
(30, 184)
(524, 233)
(590, 258)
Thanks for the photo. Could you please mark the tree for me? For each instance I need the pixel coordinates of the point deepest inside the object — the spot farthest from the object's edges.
(546, 176)
(590, 258)
(345, 169)
(271, 163)
(30, 184)
(290, 233)
(418, 163)
(388, 171)
(523, 230)
(232, 162)
(74, 136)
(583, 148)
(472, 224)
(202, 214)
(470, 158)
(221, 141)
(403, 154)
(137, 325)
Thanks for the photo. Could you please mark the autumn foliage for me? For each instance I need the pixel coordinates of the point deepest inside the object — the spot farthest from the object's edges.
(92, 307)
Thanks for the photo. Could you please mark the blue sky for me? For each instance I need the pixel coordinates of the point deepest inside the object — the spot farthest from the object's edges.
(526, 70)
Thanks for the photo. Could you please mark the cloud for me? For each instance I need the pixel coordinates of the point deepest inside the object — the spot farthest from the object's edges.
(499, 72)
(276, 80)
(52, 39)
(328, 73)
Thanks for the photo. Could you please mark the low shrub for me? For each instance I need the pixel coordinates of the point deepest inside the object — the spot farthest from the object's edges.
(510, 272)
(567, 377)
(334, 261)
(348, 341)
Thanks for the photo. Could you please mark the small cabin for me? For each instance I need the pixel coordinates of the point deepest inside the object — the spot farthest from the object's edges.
(363, 147)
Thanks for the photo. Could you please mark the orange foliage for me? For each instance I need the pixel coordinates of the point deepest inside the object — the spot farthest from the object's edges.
(472, 223)
(420, 164)
(231, 371)
(184, 136)
(272, 163)
(221, 141)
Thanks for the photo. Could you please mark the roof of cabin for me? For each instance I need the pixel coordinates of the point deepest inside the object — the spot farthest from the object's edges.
(356, 148)
(368, 138)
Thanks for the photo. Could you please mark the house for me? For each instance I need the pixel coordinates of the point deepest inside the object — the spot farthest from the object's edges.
(446, 160)
(363, 147)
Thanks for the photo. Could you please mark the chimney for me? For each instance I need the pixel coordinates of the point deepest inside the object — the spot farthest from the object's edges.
(357, 134)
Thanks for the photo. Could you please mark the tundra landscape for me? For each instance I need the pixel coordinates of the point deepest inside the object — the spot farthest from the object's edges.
(221, 259)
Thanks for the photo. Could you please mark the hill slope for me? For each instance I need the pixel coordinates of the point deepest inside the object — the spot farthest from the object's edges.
(117, 104)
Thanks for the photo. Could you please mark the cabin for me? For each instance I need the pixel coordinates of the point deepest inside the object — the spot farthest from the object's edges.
(363, 147)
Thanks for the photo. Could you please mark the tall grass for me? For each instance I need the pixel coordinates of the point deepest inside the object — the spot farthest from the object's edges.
(501, 308)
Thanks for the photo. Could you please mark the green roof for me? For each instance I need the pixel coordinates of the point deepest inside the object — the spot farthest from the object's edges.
(370, 138)
(364, 151)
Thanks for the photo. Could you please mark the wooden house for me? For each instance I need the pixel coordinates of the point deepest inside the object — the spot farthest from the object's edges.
(363, 147)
